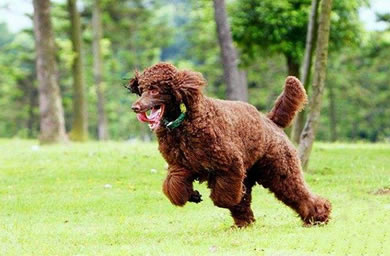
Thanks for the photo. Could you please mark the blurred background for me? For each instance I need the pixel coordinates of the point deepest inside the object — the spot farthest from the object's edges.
(133, 34)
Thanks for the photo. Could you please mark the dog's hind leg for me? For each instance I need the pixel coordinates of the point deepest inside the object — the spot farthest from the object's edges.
(284, 178)
(242, 213)
(227, 186)
(227, 190)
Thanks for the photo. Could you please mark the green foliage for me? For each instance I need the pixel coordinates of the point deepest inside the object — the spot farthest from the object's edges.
(135, 33)
(261, 26)
(361, 80)
(203, 51)
(18, 93)
(384, 17)
(106, 199)
(140, 33)
(282, 24)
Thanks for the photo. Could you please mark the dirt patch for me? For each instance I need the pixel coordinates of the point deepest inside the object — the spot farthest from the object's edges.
(382, 191)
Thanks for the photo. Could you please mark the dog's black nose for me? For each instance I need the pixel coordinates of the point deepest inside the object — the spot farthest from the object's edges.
(136, 108)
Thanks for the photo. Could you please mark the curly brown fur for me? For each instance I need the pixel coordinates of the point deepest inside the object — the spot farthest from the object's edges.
(228, 144)
(289, 103)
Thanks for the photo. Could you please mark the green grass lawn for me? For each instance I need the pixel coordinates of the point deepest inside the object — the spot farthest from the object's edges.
(106, 199)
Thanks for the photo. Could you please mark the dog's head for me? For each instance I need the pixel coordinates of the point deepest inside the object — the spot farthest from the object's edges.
(162, 88)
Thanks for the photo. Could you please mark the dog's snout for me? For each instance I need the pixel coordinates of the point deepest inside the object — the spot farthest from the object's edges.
(136, 108)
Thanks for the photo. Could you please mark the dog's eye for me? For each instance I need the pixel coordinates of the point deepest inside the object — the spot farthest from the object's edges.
(153, 91)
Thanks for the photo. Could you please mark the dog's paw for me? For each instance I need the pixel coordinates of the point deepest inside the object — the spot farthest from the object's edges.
(195, 197)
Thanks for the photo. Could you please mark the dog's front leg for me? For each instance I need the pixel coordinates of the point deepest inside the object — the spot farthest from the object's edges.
(178, 186)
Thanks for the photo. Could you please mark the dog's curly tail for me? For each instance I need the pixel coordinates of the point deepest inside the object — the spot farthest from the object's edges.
(289, 103)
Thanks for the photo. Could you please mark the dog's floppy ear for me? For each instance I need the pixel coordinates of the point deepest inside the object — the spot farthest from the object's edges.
(132, 86)
(188, 86)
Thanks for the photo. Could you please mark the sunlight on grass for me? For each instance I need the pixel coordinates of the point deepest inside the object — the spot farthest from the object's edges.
(105, 199)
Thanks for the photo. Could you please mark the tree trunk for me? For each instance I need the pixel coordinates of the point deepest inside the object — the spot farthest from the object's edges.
(244, 82)
(98, 70)
(236, 89)
(292, 70)
(80, 122)
(32, 96)
(52, 123)
(332, 114)
(308, 133)
(306, 71)
(292, 66)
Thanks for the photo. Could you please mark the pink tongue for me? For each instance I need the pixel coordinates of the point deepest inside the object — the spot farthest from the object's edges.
(148, 119)
(142, 117)
(153, 114)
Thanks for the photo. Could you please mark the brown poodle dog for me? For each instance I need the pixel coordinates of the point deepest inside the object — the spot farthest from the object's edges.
(229, 144)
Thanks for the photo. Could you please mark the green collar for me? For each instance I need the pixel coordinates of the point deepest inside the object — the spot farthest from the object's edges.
(177, 122)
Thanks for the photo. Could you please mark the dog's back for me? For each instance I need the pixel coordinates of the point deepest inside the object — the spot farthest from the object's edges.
(289, 103)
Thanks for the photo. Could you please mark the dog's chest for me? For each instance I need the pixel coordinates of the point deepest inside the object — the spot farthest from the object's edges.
(193, 151)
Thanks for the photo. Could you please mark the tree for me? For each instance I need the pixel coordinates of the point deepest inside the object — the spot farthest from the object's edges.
(361, 107)
(235, 80)
(306, 70)
(134, 36)
(139, 33)
(267, 26)
(52, 124)
(79, 130)
(264, 27)
(18, 87)
(383, 17)
(98, 70)
(261, 26)
(332, 113)
(308, 134)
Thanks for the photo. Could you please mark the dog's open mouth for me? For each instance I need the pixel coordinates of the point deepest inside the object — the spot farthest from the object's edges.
(152, 116)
